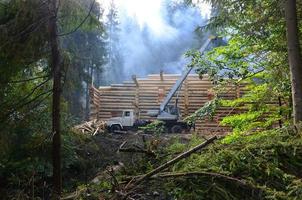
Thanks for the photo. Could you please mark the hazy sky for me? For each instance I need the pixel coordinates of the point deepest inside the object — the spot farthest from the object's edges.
(151, 39)
(147, 12)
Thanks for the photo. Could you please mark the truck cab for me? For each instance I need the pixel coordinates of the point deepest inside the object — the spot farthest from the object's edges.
(124, 122)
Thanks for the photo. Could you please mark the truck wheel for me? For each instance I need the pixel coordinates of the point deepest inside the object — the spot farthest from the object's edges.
(176, 129)
(115, 128)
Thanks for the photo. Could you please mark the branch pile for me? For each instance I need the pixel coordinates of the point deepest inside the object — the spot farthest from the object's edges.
(130, 187)
(92, 127)
(265, 165)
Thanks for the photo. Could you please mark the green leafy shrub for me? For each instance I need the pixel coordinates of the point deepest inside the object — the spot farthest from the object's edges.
(269, 162)
(208, 110)
(156, 127)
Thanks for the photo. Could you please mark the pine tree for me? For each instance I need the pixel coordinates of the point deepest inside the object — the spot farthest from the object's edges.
(57, 74)
(294, 56)
(114, 66)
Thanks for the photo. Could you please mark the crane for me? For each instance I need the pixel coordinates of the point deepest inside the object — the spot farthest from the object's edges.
(170, 114)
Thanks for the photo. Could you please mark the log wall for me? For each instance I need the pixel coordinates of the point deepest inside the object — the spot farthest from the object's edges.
(142, 94)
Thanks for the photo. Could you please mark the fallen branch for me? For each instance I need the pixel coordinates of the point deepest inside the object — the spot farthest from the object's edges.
(169, 163)
(190, 175)
(255, 191)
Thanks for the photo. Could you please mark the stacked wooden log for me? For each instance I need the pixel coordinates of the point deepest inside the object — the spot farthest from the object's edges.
(143, 94)
(92, 127)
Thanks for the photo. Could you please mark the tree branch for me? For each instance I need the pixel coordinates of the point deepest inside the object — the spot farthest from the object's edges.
(28, 95)
(27, 30)
(192, 175)
(47, 93)
(26, 103)
(170, 163)
(25, 80)
(82, 22)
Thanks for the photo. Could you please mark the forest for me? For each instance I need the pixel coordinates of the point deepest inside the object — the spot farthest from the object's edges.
(55, 55)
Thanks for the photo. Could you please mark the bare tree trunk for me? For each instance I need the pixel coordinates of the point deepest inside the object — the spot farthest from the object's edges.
(97, 82)
(294, 56)
(89, 83)
(56, 70)
(87, 103)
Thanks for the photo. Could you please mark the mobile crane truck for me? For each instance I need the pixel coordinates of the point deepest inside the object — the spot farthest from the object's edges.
(168, 113)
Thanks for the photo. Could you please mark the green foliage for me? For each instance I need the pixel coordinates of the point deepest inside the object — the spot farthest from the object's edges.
(74, 13)
(208, 110)
(91, 191)
(269, 162)
(25, 90)
(255, 56)
(23, 33)
(24, 50)
(26, 156)
(114, 58)
(156, 127)
(262, 110)
(25, 160)
(85, 53)
(263, 165)
(176, 146)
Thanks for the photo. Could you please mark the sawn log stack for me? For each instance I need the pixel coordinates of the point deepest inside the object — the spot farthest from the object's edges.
(143, 94)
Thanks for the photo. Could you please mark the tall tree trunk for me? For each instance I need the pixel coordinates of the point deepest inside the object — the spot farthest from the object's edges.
(97, 81)
(56, 70)
(294, 56)
(87, 102)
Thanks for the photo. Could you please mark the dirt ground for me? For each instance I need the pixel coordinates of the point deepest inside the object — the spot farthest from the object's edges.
(109, 144)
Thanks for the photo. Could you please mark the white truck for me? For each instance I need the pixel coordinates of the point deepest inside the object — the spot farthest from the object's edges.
(127, 121)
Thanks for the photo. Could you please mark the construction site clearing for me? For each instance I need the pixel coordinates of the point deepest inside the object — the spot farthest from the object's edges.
(143, 94)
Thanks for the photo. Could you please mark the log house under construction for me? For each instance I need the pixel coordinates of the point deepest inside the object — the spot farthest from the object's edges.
(143, 94)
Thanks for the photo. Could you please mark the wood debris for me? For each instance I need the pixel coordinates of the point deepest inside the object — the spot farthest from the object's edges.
(92, 127)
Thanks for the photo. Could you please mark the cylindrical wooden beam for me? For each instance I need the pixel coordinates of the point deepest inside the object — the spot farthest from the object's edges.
(135, 80)
(161, 75)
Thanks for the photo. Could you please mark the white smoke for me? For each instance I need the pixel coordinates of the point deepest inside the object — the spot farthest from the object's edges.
(152, 38)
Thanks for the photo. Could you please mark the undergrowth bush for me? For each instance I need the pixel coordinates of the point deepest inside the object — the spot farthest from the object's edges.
(25, 163)
(262, 165)
(269, 162)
